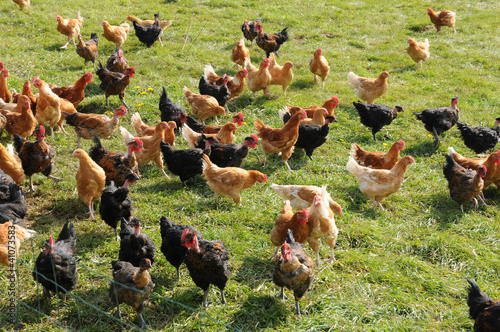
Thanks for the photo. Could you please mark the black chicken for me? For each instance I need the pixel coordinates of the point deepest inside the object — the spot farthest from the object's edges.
(270, 42)
(171, 245)
(12, 199)
(116, 203)
(232, 155)
(88, 50)
(479, 139)
(313, 136)
(249, 30)
(219, 92)
(117, 62)
(55, 268)
(484, 310)
(184, 163)
(293, 269)
(131, 285)
(171, 111)
(438, 120)
(135, 245)
(148, 34)
(199, 127)
(207, 262)
(376, 116)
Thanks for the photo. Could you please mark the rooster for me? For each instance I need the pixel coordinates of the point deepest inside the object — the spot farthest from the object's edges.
(249, 29)
(88, 50)
(270, 42)
(69, 27)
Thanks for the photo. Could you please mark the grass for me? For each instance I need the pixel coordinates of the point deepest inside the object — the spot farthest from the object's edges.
(402, 269)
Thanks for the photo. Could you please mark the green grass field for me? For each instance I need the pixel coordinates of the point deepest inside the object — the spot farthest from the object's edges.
(402, 269)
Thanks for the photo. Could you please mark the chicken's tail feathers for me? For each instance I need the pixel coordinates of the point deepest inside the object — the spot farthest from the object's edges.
(352, 166)
(258, 124)
(451, 14)
(206, 162)
(94, 36)
(476, 299)
(289, 237)
(127, 137)
(282, 112)
(354, 150)
(187, 92)
(10, 149)
(353, 79)
(189, 135)
(208, 70)
(79, 16)
(426, 42)
(136, 121)
(248, 64)
(68, 232)
(418, 115)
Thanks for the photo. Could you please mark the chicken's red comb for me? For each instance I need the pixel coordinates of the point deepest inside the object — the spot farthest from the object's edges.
(89, 74)
(27, 83)
(35, 78)
(123, 108)
(1, 65)
(186, 231)
(335, 99)
(51, 241)
(132, 68)
(305, 213)
(246, 71)
(319, 50)
(5, 72)
(240, 115)
(138, 141)
(42, 130)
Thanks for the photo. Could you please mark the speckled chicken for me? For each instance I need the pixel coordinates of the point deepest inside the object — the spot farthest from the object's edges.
(288, 220)
(88, 50)
(483, 309)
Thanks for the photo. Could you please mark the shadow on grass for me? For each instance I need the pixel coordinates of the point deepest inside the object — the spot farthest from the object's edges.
(405, 69)
(303, 84)
(253, 271)
(261, 312)
(423, 149)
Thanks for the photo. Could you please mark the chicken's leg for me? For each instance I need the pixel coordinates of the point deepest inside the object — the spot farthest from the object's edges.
(66, 45)
(282, 294)
(143, 324)
(222, 296)
(297, 308)
(318, 262)
(205, 296)
(64, 297)
(31, 188)
(288, 166)
(436, 136)
(56, 180)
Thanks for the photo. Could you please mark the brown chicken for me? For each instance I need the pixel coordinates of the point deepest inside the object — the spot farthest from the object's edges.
(321, 225)
(151, 150)
(235, 84)
(66, 108)
(377, 184)
(116, 34)
(113, 83)
(88, 50)
(329, 105)
(319, 66)
(280, 140)
(444, 18)
(48, 105)
(163, 24)
(270, 42)
(318, 118)
(142, 129)
(259, 79)
(301, 197)
(280, 75)
(90, 180)
(419, 52)
(4, 89)
(229, 181)
(490, 162)
(203, 106)
(69, 27)
(369, 89)
(249, 30)
(21, 120)
(239, 53)
(7, 257)
(75, 92)
(375, 159)
(287, 219)
(117, 62)
(11, 164)
(464, 184)
(27, 92)
(88, 124)
(224, 136)
(3, 123)
(22, 3)
(211, 129)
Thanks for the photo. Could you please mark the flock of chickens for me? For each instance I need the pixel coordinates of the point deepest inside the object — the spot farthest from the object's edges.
(107, 175)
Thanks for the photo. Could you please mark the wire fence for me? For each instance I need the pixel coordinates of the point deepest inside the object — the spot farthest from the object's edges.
(26, 307)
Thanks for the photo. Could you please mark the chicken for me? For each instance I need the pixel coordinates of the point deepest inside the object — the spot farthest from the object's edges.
(163, 24)
(224, 136)
(90, 180)
(319, 66)
(12, 198)
(148, 34)
(294, 270)
(479, 139)
(142, 129)
(207, 262)
(88, 50)
(312, 136)
(170, 111)
(280, 75)
(22, 3)
(75, 92)
(318, 118)
(329, 105)
(219, 92)
(377, 184)
(116, 34)
(239, 53)
(211, 129)
(444, 18)
(131, 285)
(5, 94)
(249, 29)
(258, 79)
(375, 159)
(229, 181)
(438, 120)
(113, 83)
(118, 166)
(288, 220)
(69, 27)
(134, 245)
(3, 123)
(483, 309)
(369, 89)
(21, 120)
(151, 150)
(36, 157)
(55, 268)
(203, 106)
(11, 164)
(280, 140)
(464, 184)
(27, 92)
(116, 203)
(231, 155)
(89, 124)
(270, 42)
(48, 106)
(171, 245)
(376, 116)
(7, 257)
(490, 162)
(184, 163)
(117, 62)
(235, 84)
(419, 52)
